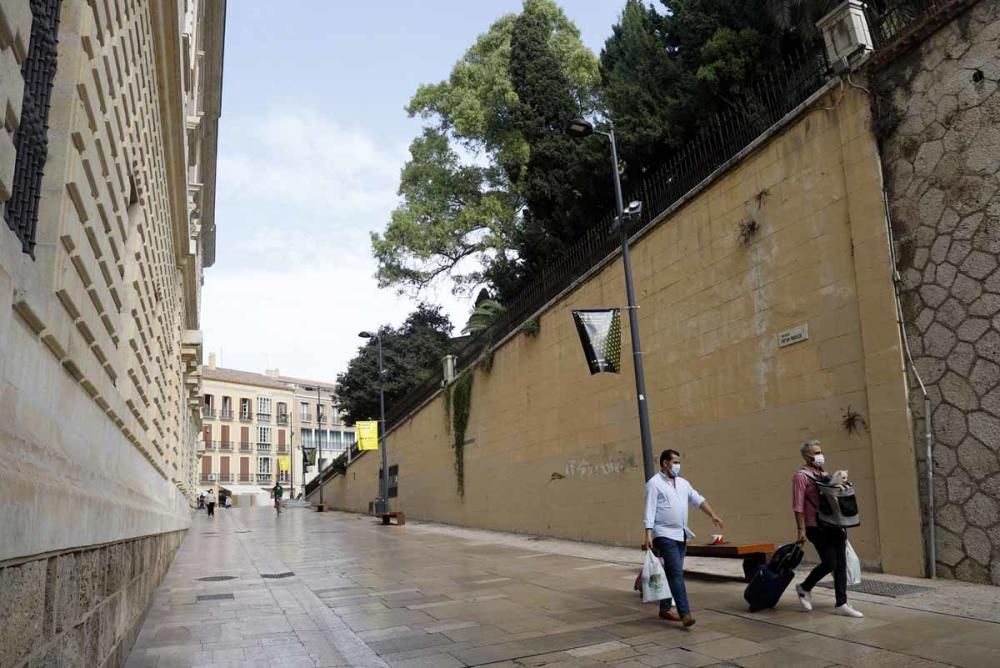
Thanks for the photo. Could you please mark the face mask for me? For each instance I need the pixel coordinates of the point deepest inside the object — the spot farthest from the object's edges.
(818, 460)
(675, 470)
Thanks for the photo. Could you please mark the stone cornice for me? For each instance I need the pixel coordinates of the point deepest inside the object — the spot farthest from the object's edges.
(213, 29)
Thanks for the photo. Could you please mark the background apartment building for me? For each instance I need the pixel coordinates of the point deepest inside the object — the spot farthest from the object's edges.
(107, 182)
(256, 427)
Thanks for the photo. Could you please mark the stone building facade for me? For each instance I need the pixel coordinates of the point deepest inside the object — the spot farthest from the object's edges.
(252, 423)
(107, 173)
(939, 117)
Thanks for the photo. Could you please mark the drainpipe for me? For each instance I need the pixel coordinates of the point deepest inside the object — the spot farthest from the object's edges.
(928, 426)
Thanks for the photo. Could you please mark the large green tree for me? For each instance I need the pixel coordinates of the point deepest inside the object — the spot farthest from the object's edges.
(564, 186)
(463, 189)
(411, 355)
(665, 75)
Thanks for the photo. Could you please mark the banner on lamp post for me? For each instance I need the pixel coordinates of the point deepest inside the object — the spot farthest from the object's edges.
(600, 333)
(367, 433)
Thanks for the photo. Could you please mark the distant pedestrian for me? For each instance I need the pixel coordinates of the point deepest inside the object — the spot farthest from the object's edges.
(830, 541)
(277, 492)
(667, 533)
(201, 502)
(210, 503)
(229, 501)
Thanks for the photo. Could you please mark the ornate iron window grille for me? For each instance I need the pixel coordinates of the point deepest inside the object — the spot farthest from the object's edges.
(31, 137)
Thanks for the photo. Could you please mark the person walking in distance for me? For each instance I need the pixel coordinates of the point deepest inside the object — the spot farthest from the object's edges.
(666, 522)
(277, 492)
(210, 503)
(830, 541)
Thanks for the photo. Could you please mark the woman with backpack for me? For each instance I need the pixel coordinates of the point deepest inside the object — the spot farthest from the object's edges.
(822, 517)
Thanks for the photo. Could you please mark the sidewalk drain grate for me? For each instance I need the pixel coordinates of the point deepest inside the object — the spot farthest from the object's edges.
(882, 588)
(248, 530)
(215, 597)
(286, 574)
(216, 578)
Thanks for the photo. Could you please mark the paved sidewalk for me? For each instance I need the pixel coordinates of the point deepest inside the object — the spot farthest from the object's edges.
(429, 595)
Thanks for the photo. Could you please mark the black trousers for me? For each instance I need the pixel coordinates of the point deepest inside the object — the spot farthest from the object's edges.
(831, 544)
(211, 509)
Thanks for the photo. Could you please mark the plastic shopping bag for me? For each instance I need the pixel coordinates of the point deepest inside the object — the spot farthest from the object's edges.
(853, 566)
(654, 579)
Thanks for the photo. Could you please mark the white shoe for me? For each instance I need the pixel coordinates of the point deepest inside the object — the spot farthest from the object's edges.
(805, 598)
(847, 611)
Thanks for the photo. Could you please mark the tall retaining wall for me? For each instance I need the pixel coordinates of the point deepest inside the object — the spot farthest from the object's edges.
(939, 113)
(551, 450)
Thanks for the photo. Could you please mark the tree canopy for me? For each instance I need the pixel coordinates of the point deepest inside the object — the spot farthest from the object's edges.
(494, 190)
(411, 355)
(470, 176)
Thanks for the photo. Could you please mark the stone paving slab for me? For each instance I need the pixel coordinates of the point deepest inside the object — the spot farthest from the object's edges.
(426, 595)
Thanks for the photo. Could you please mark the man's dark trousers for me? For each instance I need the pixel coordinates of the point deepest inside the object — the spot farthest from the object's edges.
(831, 544)
(672, 552)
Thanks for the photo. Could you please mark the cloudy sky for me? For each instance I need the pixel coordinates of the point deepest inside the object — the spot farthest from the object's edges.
(312, 137)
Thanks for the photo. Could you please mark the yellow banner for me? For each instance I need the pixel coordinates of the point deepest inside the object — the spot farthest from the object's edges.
(284, 462)
(367, 435)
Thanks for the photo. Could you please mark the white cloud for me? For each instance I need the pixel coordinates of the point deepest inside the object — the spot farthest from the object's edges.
(293, 280)
(304, 161)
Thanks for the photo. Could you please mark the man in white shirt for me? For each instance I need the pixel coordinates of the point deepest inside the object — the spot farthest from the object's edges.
(666, 516)
(210, 503)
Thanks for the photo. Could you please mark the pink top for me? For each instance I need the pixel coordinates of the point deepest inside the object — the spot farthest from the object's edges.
(805, 497)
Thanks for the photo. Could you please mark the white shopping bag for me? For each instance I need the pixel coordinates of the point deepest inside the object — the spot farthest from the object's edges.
(654, 579)
(853, 566)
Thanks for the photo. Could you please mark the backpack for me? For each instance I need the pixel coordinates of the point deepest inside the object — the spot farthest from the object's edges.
(838, 506)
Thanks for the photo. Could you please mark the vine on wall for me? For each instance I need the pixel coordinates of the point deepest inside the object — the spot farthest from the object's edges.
(457, 403)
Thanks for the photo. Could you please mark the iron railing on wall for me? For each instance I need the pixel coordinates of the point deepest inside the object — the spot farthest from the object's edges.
(894, 22)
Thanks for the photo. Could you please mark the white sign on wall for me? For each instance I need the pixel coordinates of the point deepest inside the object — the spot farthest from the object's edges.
(793, 335)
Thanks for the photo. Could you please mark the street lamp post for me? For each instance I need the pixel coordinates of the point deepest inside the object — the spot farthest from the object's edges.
(382, 503)
(580, 128)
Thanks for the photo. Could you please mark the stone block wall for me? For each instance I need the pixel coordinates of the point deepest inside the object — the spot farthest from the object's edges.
(939, 112)
(81, 608)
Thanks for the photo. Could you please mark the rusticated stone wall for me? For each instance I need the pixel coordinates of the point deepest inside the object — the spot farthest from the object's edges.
(940, 112)
(81, 608)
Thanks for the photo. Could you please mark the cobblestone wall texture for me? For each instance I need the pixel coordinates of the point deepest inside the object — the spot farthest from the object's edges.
(81, 608)
(941, 109)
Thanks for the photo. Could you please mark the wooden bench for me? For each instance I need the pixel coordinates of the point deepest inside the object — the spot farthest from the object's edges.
(753, 555)
(398, 516)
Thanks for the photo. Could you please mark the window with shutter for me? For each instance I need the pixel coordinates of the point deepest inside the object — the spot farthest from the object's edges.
(31, 139)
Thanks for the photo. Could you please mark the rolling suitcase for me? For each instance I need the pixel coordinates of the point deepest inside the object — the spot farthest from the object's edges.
(772, 579)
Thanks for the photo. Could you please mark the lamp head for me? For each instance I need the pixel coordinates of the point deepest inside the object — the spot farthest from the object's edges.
(579, 128)
(634, 208)
(365, 335)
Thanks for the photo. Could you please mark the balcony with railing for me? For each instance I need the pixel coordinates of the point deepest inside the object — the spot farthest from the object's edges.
(264, 417)
(225, 445)
(211, 445)
(244, 447)
(265, 477)
(305, 417)
(246, 477)
(207, 412)
(282, 418)
(263, 447)
(246, 417)
(226, 414)
(225, 477)
(208, 477)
